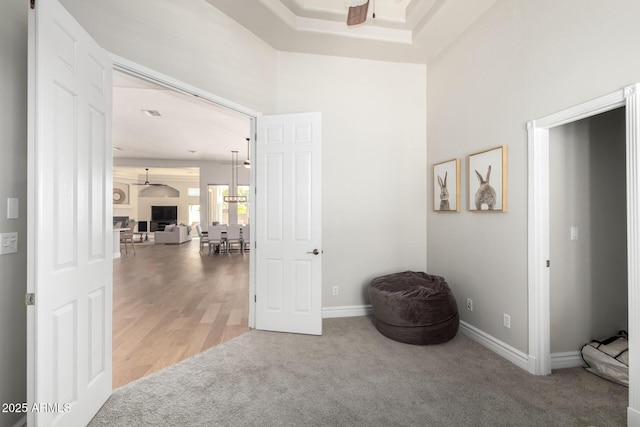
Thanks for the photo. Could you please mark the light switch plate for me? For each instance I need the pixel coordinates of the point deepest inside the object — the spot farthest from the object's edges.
(8, 243)
(12, 208)
(574, 233)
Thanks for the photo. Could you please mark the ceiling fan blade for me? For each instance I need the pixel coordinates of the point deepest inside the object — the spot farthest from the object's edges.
(147, 183)
(357, 14)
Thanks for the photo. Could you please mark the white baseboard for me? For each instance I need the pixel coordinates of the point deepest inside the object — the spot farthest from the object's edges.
(22, 422)
(346, 311)
(633, 417)
(512, 354)
(558, 360)
(571, 359)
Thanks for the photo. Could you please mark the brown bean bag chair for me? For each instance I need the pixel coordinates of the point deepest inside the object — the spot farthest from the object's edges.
(414, 308)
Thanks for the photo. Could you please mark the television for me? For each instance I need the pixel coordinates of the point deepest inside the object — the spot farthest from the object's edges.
(164, 213)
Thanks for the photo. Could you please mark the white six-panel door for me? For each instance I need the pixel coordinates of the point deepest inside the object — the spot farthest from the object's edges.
(288, 225)
(70, 239)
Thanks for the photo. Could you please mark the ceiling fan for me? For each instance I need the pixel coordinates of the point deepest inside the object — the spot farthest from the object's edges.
(147, 183)
(246, 164)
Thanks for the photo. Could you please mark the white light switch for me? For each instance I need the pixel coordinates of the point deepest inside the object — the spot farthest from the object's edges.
(12, 208)
(574, 233)
(8, 243)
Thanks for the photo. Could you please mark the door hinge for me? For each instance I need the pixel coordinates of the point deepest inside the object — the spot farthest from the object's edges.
(548, 263)
(255, 298)
(29, 299)
(33, 4)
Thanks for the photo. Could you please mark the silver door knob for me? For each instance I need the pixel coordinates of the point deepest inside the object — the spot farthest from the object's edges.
(315, 252)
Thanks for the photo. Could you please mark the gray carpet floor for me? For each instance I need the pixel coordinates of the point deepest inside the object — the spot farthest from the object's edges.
(354, 376)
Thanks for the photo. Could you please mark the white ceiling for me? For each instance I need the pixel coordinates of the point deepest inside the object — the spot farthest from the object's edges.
(187, 128)
(190, 128)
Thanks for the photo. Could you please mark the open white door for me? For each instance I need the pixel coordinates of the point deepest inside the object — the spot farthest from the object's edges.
(288, 229)
(69, 218)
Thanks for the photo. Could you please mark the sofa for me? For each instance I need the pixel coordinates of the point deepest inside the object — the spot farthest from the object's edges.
(173, 234)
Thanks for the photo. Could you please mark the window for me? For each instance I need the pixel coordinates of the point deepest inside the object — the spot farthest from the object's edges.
(243, 208)
(193, 192)
(194, 214)
(218, 209)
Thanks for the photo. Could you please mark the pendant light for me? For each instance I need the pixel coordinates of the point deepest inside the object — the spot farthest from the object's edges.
(247, 163)
(233, 190)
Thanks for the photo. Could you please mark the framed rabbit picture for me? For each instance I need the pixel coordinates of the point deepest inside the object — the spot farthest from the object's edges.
(488, 180)
(446, 186)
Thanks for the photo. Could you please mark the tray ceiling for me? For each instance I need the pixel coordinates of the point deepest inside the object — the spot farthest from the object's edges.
(403, 30)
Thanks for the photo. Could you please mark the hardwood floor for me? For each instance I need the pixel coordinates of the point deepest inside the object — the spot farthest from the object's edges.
(170, 302)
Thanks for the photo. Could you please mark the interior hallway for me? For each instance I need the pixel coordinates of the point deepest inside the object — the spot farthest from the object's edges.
(170, 302)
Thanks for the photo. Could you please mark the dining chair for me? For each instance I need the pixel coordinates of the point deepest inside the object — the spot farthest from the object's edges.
(246, 237)
(234, 237)
(126, 238)
(204, 240)
(216, 239)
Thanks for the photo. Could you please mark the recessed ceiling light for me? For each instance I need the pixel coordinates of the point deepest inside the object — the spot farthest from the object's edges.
(117, 148)
(192, 151)
(151, 113)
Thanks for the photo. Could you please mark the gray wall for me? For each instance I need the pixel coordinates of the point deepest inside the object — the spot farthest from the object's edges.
(521, 61)
(588, 190)
(13, 183)
(374, 196)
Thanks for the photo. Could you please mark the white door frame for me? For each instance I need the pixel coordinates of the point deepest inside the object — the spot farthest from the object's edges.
(539, 359)
(142, 72)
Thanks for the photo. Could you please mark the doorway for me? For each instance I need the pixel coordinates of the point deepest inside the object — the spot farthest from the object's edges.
(588, 228)
(196, 317)
(539, 260)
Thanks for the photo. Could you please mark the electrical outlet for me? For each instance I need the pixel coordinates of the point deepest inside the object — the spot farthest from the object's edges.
(506, 321)
(469, 304)
(335, 290)
(8, 243)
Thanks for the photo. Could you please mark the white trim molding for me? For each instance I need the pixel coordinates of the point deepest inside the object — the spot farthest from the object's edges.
(633, 417)
(539, 362)
(539, 358)
(632, 97)
(570, 359)
(346, 311)
(512, 354)
(517, 357)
